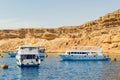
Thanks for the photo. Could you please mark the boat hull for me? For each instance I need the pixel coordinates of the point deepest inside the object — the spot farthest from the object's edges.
(27, 65)
(22, 65)
(83, 58)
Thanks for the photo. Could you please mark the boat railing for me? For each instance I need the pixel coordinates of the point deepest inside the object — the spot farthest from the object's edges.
(86, 48)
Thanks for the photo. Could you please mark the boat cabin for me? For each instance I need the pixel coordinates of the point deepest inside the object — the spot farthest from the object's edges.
(28, 50)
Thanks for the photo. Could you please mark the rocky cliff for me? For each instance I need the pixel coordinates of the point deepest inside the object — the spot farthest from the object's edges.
(103, 32)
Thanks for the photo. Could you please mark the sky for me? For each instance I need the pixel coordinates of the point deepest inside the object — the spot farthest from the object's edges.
(52, 13)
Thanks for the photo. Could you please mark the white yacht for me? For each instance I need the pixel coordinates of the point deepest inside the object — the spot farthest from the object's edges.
(84, 53)
(28, 56)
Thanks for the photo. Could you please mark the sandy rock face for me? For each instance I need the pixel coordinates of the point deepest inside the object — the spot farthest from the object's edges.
(103, 32)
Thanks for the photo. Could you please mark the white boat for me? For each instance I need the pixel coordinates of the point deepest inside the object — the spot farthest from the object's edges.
(84, 53)
(28, 56)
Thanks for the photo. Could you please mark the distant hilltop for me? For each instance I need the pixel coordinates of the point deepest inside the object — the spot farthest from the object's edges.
(103, 32)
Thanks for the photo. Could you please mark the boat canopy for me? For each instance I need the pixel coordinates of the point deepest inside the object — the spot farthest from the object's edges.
(28, 47)
(28, 50)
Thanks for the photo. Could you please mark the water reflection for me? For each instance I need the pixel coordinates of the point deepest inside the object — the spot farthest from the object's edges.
(29, 73)
(52, 68)
(88, 70)
(111, 71)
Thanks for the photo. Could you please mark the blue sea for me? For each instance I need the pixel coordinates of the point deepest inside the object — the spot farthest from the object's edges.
(53, 68)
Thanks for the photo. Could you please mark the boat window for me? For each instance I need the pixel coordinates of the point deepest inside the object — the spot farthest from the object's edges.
(28, 56)
(83, 52)
(68, 52)
(74, 53)
(32, 48)
(77, 52)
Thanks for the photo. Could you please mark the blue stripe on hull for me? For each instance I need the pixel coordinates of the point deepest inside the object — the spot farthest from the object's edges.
(41, 56)
(85, 59)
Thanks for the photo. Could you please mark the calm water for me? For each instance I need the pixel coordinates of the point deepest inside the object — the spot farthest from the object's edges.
(52, 68)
